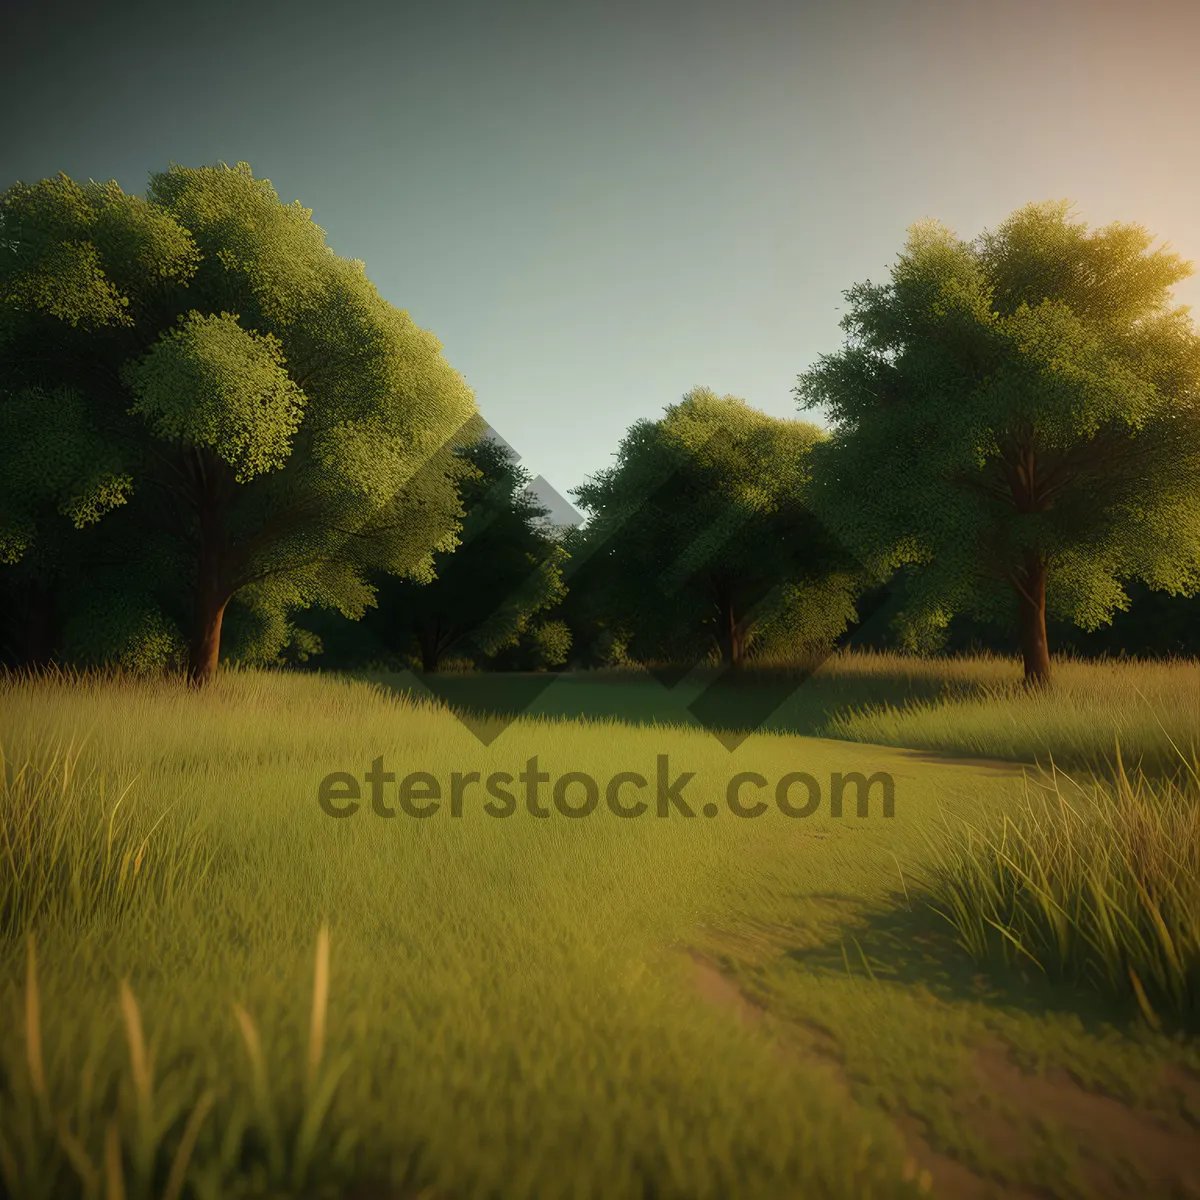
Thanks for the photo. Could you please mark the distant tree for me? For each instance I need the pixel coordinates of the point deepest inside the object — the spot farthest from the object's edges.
(1019, 417)
(198, 369)
(543, 645)
(549, 644)
(598, 637)
(701, 536)
(485, 593)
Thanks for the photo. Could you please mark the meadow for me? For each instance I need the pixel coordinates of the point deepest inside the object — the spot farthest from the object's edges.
(213, 988)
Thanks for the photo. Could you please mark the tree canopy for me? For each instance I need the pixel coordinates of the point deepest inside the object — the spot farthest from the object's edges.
(487, 592)
(237, 407)
(210, 422)
(1019, 418)
(700, 535)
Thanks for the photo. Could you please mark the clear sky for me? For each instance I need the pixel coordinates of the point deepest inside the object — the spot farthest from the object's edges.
(596, 207)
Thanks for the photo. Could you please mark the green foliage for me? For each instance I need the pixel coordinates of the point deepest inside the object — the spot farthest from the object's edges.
(83, 254)
(124, 630)
(597, 639)
(201, 349)
(541, 646)
(209, 383)
(259, 633)
(1029, 398)
(53, 459)
(550, 644)
(702, 525)
(507, 569)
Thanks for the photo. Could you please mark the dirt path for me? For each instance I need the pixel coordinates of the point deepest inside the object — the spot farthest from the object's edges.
(1163, 1155)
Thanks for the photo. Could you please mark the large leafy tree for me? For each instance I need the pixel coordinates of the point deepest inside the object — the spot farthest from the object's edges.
(199, 372)
(701, 537)
(487, 592)
(1018, 418)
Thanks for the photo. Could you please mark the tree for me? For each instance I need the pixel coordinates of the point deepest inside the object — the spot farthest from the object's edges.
(507, 569)
(543, 645)
(702, 537)
(198, 368)
(598, 638)
(1019, 418)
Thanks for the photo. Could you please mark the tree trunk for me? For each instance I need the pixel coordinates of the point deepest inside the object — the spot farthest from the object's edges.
(38, 650)
(730, 635)
(212, 588)
(1030, 588)
(431, 652)
(205, 655)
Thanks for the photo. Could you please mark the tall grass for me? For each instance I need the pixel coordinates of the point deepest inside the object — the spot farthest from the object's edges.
(976, 706)
(1097, 884)
(76, 843)
(497, 1007)
(496, 1010)
(52, 1144)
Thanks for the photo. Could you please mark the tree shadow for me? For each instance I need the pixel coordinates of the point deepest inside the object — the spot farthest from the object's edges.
(906, 942)
(789, 700)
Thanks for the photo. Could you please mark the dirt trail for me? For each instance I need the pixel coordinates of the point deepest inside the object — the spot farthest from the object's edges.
(1163, 1156)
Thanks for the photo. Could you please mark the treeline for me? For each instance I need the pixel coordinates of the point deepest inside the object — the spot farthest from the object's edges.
(218, 442)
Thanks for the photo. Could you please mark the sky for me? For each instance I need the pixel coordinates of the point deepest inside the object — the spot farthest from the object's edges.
(597, 207)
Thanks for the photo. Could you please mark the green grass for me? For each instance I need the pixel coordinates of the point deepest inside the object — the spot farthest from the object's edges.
(214, 989)
(1097, 884)
(73, 843)
(1151, 708)
(969, 706)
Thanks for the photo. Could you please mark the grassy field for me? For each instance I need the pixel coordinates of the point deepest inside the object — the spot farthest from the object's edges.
(211, 987)
(972, 707)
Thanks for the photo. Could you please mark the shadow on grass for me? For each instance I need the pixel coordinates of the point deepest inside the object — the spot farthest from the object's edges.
(915, 947)
(732, 706)
(783, 700)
